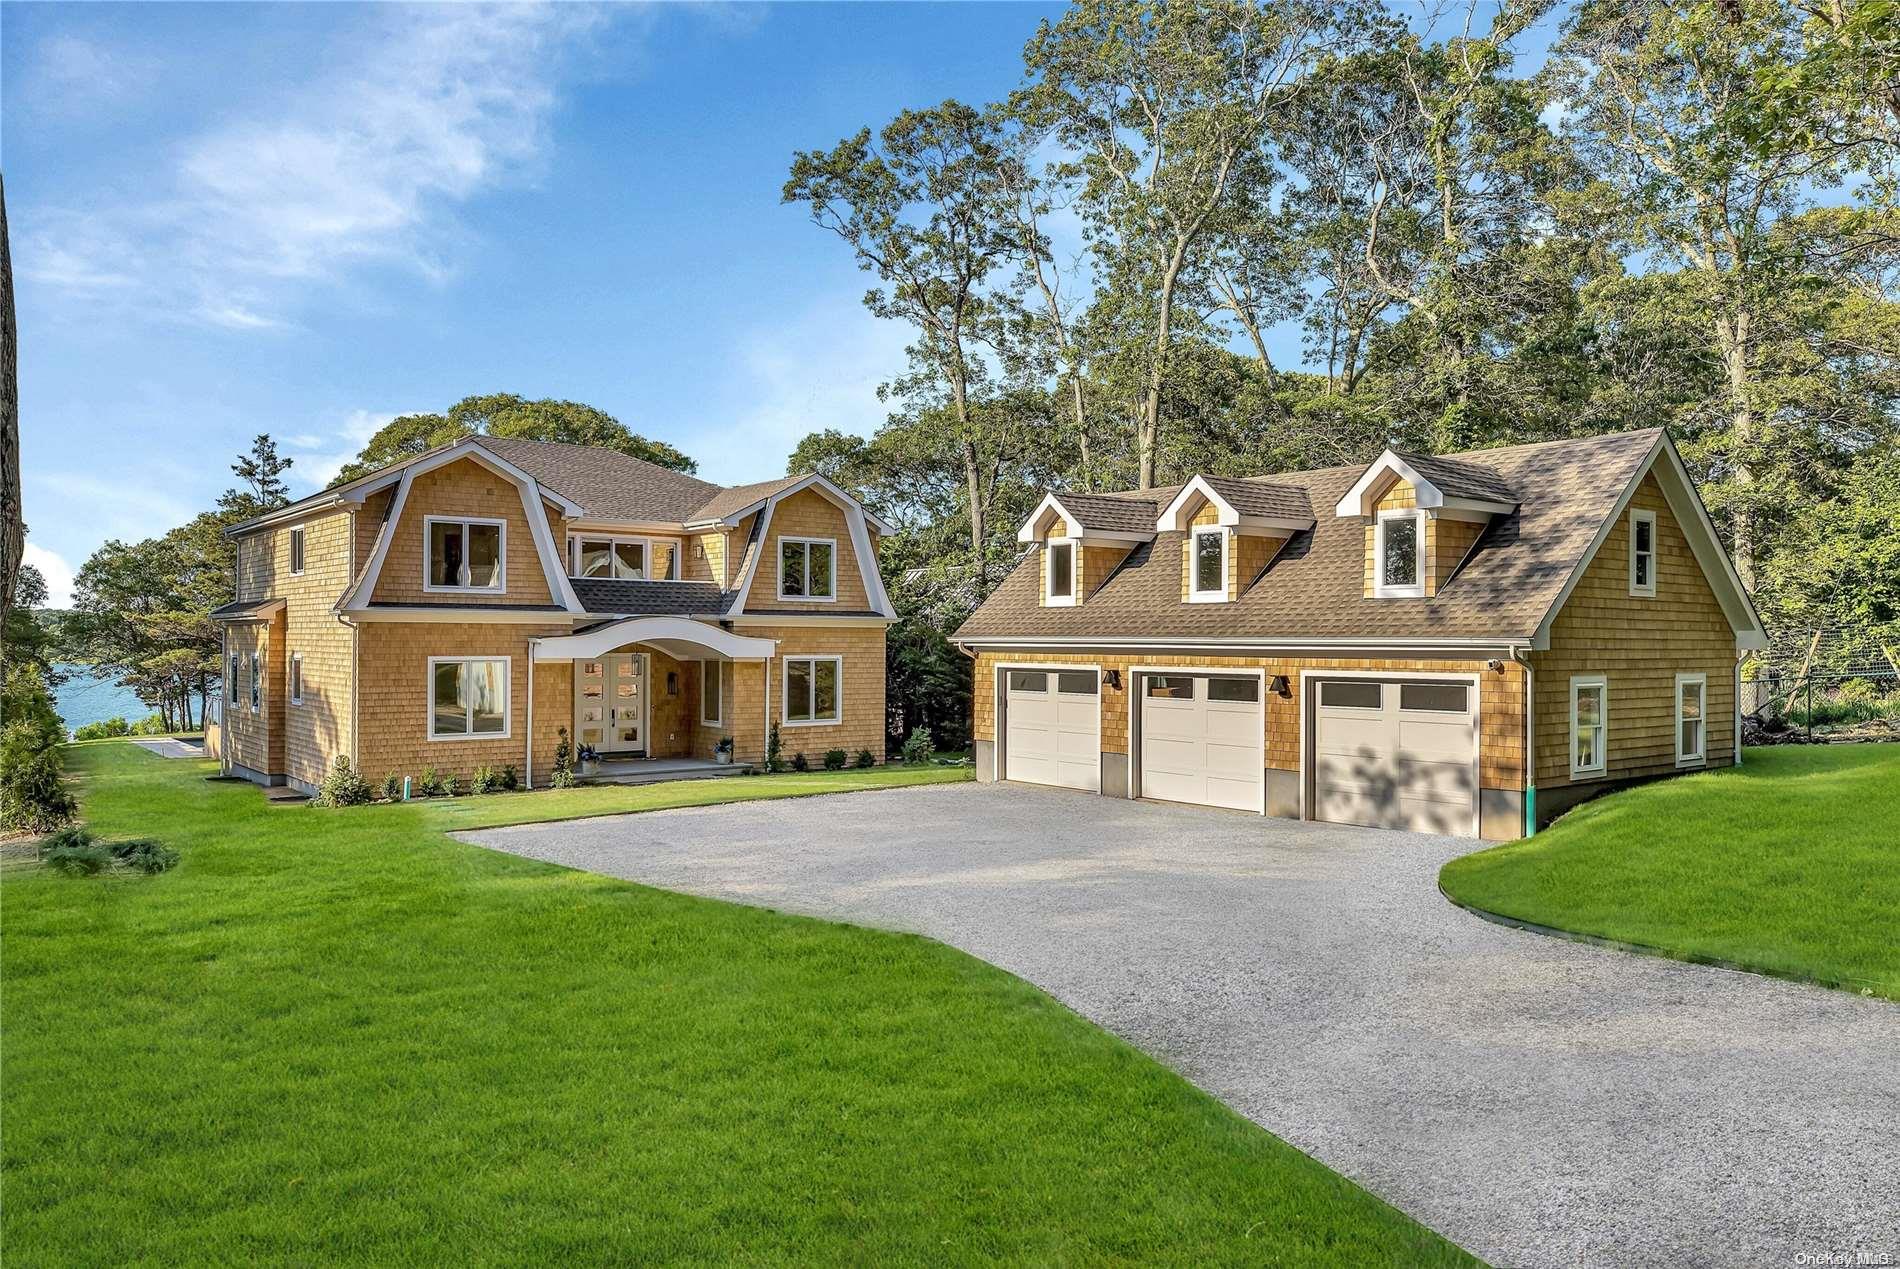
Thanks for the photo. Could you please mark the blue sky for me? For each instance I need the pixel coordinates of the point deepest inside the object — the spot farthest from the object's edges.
(308, 219)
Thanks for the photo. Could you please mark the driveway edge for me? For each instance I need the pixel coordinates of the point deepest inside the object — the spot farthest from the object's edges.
(1853, 986)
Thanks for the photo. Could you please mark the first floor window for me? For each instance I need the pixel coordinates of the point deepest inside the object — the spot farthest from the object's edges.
(257, 681)
(711, 702)
(468, 696)
(806, 569)
(1401, 554)
(296, 678)
(231, 679)
(811, 689)
(1589, 727)
(1210, 563)
(464, 554)
(1061, 571)
(1692, 733)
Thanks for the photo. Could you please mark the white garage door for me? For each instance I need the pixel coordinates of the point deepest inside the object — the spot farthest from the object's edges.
(1202, 740)
(1396, 754)
(1052, 728)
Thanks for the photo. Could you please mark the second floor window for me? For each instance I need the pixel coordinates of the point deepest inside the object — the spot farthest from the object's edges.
(231, 679)
(1061, 580)
(257, 681)
(1210, 564)
(1642, 552)
(626, 559)
(464, 554)
(807, 568)
(296, 551)
(1401, 554)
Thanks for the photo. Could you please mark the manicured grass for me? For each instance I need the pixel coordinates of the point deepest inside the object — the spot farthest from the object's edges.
(1789, 864)
(544, 805)
(342, 1036)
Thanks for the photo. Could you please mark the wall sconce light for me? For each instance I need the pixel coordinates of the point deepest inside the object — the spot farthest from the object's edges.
(1279, 686)
(1494, 665)
(1113, 678)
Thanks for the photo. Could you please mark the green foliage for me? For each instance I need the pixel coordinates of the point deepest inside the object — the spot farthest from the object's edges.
(25, 701)
(506, 415)
(865, 760)
(835, 759)
(919, 748)
(1853, 701)
(563, 777)
(1841, 566)
(33, 797)
(343, 786)
(150, 725)
(103, 730)
(493, 780)
(75, 852)
(799, 761)
(434, 783)
(144, 854)
(392, 787)
(774, 762)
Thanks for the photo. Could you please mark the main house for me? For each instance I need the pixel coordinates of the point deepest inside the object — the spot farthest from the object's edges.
(1458, 644)
(458, 609)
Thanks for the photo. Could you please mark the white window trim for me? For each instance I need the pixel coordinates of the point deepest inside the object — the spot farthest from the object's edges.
(507, 691)
(501, 572)
(1416, 588)
(713, 669)
(299, 551)
(1195, 594)
(574, 541)
(785, 692)
(1647, 517)
(296, 678)
(1578, 682)
(808, 543)
(1050, 598)
(257, 681)
(1701, 757)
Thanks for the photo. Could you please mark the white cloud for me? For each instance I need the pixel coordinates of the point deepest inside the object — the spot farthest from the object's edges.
(319, 458)
(57, 572)
(364, 163)
(124, 504)
(76, 77)
(814, 370)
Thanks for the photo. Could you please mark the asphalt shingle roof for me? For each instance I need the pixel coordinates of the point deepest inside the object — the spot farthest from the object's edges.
(608, 484)
(651, 598)
(1315, 587)
(1256, 497)
(1462, 478)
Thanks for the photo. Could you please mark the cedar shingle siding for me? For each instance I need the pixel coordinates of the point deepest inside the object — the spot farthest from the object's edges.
(365, 657)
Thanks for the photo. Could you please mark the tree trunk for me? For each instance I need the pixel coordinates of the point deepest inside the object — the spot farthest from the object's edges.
(1733, 335)
(1148, 433)
(1081, 429)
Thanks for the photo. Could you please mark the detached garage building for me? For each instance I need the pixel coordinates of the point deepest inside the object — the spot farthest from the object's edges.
(1463, 644)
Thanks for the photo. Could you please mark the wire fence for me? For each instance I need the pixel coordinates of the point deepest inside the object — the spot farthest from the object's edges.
(1825, 683)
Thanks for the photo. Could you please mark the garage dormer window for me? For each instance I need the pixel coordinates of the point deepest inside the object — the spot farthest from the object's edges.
(1060, 572)
(1209, 562)
(1399, 555)
(464, 554)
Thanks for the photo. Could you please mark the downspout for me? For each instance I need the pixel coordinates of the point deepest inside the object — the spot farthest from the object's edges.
(765, 693)
(527, 759)
(1520, 654)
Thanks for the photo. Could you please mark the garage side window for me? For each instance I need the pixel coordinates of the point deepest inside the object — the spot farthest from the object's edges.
(1691, 731)
(1233, 690)
(1434, 698)
(1351, 694)
(1061, 588)
(1076, 682)
(1028, 681)
(1170, 687)
(1589, 724)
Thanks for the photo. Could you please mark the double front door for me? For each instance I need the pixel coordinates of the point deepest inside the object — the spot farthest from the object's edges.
(610, 697)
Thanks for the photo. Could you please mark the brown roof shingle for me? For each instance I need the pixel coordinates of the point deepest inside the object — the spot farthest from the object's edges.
(610, 485)
(1462, 477)
(1315, 587)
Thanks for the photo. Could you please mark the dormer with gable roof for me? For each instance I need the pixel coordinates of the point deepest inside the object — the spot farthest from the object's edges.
(1423, 517)
(1083, 538)
(1234, 529)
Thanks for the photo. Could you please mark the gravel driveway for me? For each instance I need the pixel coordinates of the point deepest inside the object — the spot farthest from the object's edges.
(1541, 1102)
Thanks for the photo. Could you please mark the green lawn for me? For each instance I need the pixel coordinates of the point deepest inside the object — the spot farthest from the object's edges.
(1789, 864)
(343, 1036)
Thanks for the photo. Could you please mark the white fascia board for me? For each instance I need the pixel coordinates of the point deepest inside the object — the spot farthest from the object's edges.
(1480, 506)
(1050, 503)
(1353, 503)
(304, 509)
(468, 448)
(1173, 517)
(856, 518)
(1030, 533)
(1243, 643)
(357, 597)
(1273, 525)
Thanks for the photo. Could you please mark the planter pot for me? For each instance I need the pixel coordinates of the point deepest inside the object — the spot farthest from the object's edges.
(589, 766)
(723, 758)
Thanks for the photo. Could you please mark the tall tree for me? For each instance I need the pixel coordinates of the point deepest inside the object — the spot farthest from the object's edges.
(929, 211)
(504, 414)
(1165, 106)
(1665, 96)
(261, 469)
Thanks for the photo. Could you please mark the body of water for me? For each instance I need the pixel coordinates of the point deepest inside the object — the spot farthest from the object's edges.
(86, 698)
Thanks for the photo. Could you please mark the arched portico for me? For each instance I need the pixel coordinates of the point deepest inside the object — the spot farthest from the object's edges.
(655, 689)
